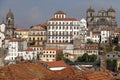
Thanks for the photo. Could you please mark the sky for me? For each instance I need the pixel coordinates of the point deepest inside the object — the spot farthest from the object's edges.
(32, 12)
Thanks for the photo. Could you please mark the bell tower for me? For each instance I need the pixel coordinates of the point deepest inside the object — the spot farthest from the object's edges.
(10, 23)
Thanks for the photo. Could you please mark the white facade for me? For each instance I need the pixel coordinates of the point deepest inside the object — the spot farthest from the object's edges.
(2, 34)
(61, 29)
(105, 34)
(2, 28)
(2, 37)
(95, 37)
(18, 48)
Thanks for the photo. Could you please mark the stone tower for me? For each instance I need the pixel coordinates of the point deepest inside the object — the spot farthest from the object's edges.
(102, 18)
(10, 23)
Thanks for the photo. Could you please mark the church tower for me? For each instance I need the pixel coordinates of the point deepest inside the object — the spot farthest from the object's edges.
(10, 23)
(90, 16)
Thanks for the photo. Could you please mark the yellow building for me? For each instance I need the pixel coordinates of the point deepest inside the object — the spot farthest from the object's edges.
(22, 33)
(37, 37)
(50, 54)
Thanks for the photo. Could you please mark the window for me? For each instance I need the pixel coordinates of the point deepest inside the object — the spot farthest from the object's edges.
(30, 39)
(113, 55)
(53, 56)
(118, 55)
(41, 38)
(33, 38)
(38, 38)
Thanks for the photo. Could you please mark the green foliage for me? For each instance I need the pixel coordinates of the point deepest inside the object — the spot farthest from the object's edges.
(112, 64)
(89, 41)
(109, 49)
(117, 48)
(60, 56)
(93, 58)
(87, 58)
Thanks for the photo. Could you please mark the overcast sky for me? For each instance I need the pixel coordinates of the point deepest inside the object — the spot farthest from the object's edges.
(32, 12)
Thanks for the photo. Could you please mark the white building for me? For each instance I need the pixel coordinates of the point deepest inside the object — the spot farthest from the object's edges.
(2, 34)
(2, 37)
(62, 29)
(18, 49)
(104, 31)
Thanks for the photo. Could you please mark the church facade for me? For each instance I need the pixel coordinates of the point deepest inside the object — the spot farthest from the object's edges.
(103, 23)
(102, 18)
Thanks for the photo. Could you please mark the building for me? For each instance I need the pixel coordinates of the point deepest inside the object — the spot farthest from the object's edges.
(62, 30)
(2, 37)
(73, 54)
(103, 22)
(102, 18)
(50, 54)
(17, 48)
(113, 55)
(37, 37)
(21, 33)
(10, 23)
(2, 34)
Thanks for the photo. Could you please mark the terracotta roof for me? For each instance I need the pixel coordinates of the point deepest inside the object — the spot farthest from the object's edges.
(56, 64)
(52, 49)
(63, 19)
(117, 30)
(29, 49)
(18, 29)
(42, 25)
(59, 12)
(16, 40)
(60, 43)
(30, 71)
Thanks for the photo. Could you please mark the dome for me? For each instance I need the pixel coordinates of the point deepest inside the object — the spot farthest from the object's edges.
(111, 9)
(90, 9)
(10, 14)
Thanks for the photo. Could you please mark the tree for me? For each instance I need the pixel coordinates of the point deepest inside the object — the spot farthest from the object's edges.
(92, 58)
(112, 65)
(60, 56)
(87, 58)
(117, 48)
(108, 48)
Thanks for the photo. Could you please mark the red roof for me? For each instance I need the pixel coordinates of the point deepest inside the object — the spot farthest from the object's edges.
(63, 19)
(16, 40)
(18, 29)
(57, 64)
(117, 30)
(29, 49)
(52, 49)
(60, 12)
